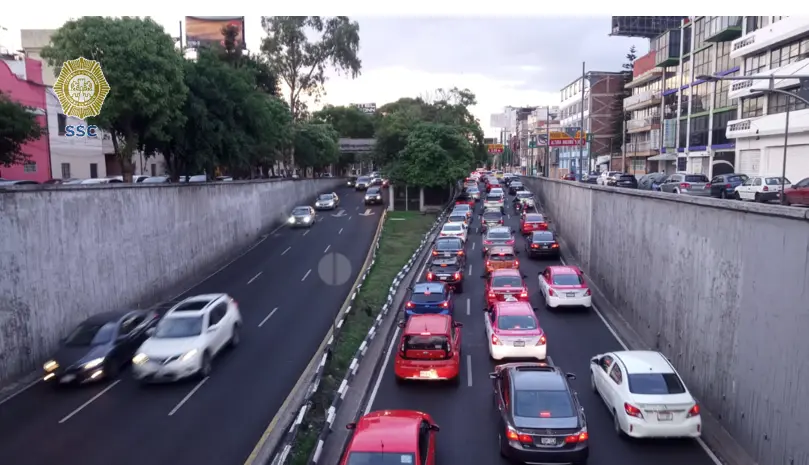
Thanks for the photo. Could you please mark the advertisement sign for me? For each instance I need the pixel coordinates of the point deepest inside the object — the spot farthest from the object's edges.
(205, 30)
(367, 108)
(570, 137)
(348, 145)
(495, 148)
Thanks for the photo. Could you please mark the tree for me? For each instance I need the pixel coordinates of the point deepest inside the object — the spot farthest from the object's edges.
(143, 68)
(316, 145)
(435, 155)
(630, 59)
(301, 62)
(18, 126)
(347, 121)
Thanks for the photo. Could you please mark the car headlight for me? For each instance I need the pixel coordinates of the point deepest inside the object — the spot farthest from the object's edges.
(307, 219)
(189, 355)
(50, 365)
(140, 359)
(93, 363)
(291, 219)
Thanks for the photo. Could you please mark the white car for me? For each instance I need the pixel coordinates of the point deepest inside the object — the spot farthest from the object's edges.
(188, 338)
(601, 180)
(497, 191)
(453, 230)
(761, 188)
(646, 396)
(466, 209)
(564, 286)
(512, 331)
(494, 201)
(458, 218)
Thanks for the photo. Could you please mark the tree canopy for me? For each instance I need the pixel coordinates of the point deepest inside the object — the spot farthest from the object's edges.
(18, 126)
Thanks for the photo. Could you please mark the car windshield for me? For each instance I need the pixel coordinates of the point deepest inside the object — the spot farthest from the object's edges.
(90, 334)
(627, 177)
(524, 195)
(516, 322)
(325, 197)
(472, 190)
(567, 279)
(498, 235)
(421, 298)
(655, 383)
(364, 179)
(696, 178)
(174, 327)
(492, 216)
(452, 227)
(506, 281)
(151, 180)
(454, 244)
(373, 190)
(542, 236)
(776, 181)
(534, 219)
(543, 404)
(300, 211)
(380, 458)
(462, 208)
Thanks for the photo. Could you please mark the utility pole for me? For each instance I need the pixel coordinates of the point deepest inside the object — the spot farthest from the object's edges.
(581, 133)
(547, 170)
(623, 144)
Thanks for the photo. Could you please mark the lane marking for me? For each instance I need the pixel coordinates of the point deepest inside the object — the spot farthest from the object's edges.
(382, 372)
(21, 390)
(327, 248)
(188, 396)
(349, 218)
(473, 245)
(306, 275)
(340, 231)
(267, 317)
(470, 270)
(254, 277)
(357, 208)
(469, 370)
(92, 399)
(305, 232)
(286, 250)
(468, 306)
(549, 360)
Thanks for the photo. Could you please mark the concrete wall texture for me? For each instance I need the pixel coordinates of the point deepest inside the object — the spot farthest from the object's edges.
(720, 287)
(66, 254)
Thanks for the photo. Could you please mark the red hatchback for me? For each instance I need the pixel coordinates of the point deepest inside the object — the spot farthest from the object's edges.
(532, 222)
(430, 349)
(504, 286)
(392, 436)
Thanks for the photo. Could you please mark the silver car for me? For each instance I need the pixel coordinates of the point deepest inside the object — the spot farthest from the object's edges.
(302, 216)
(328, 201)
(687, 184)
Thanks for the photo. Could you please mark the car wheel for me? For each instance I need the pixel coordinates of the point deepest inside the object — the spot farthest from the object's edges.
(236, 336)
(206, 367)
(676, 191)
(616, 425)
(723, 194)
(757, 197)
(593, 383)
(737, 196)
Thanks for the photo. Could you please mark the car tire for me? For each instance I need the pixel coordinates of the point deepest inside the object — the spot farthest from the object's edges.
(757, 198)
(737, 196)
(235, 337)
(676, 191)
(206, 366)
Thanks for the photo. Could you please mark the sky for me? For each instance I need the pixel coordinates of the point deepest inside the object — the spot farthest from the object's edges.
(504, 61)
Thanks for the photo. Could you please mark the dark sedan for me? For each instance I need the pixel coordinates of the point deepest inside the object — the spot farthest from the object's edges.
(99, 347)
(625, 180)
(724, 185)
(542, 244)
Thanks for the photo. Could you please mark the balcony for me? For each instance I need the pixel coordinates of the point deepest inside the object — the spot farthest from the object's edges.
(641, 149)
(756, 86)
(642, 100)
(667, 47)
(643, 125)
(723, 28)
(773, 34)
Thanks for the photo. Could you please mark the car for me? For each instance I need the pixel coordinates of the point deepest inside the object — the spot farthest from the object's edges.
(505, 285)
(499, 191)
(531, 222)
(303, 216)
(328, 201)
(564, 286)
(492, 185)
(362, 183)
(514, 187)
(798, 193)
(494, 201)
(569, 177)
(373, 196)
(624, 180)
(409, 439)
(473, 192)
(524, 199)
(458, 218)
(447, 270)
(466, 209)
(540, 418)
(513, 331)
(687, 184)
(491, 218)
(542, 244)
(99, 347)
(352, 181)
(605, 176)
(465, 199)
(188, 338)
(723, 186)
(429, 298)
(500, 257)
(501, 235)
(498, 174)
(376, 181)
(385, 182)
(446, 247)
(645, 394)
(652, 181)
(761, 188)
(453, 230)
(429, 349)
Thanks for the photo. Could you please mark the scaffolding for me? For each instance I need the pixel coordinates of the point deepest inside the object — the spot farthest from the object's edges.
(644, 26)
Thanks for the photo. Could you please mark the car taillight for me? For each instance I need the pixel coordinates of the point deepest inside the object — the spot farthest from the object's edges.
(492, 295)
(429, 276)
(457, 275)
(555, 246)
(501, 221)
(765, 188)
(444, 304)
(632, 411)
(575, 438)
(707, 186)
(409, 305)
(534, 246)
(587, 292)
(460, 252)
(542, 340)
(524, 294)
(516, 264)
(694, 412)
(728, 186)
(685, 185)
(543, 225)
(488, 263)
(550, 292)
(435, 253)
(510, 242)
(495, 340)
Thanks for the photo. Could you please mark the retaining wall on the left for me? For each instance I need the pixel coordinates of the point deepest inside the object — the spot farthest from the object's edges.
(66, 254)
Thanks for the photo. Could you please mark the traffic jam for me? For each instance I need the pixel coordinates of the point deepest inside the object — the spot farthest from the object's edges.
(500, 357)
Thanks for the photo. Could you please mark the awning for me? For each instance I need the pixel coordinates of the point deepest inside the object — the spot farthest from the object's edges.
(663, 157)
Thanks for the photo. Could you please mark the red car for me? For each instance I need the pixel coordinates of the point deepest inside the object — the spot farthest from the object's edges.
(505, 285)
(798, 193)
(465, 199)
(392, 436)
(429, 350)
(532, 222)
(569, 177)
(492, 185)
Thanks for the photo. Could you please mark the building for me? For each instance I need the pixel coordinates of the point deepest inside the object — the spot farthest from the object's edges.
(33, 41)
(539, 123)
(642, 110)
(596, 98)
(21, 81)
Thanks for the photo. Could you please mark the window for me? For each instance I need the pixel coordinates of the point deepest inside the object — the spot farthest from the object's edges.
(605, 362)
(720, 122)
(543, 404)
(698, 136)
(753, 106)
(686, 70)
(93, 170)
(778, 18)
(655, 383)
(702, 62)
(755, 64)
(154, 169)
(638, 164)
(380, 458)
(567, 279)
(661, 47)
(699, 33)
(687, 40)
(516, 322)
(91, 334)
(723, 61)
(62, 122)
(700, 97)
(65, 170)
(616, 374)
(777, 103)
(757, 22)
(717, 24)
(789, 53)
(29, 167)
(721, 94)
(682, 134)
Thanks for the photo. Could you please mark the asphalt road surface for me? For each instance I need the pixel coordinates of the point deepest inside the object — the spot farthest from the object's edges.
(465, 414)
(286, 309)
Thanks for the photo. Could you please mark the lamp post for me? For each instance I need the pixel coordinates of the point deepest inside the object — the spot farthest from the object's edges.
(770, 90)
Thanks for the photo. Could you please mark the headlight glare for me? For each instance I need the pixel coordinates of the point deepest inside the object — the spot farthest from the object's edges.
(140, 359)
(93, 363)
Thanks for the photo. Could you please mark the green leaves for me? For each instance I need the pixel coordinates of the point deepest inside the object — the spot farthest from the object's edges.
(18, 126)
(347, 121)
(316, 145)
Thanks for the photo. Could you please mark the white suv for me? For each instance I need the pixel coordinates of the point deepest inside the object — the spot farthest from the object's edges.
(187, 339)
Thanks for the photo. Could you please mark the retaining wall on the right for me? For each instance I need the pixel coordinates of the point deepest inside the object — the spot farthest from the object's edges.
(720, 287)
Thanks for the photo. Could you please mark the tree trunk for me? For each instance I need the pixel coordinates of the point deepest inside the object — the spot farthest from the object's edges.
(294, 112)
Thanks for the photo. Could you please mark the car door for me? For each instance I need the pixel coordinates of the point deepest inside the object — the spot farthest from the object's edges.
(213, 333)
(544, 282)
(744, 188)
(601, 375)
(802, 189)
(717, 184)
(138, 323)
(615, 386)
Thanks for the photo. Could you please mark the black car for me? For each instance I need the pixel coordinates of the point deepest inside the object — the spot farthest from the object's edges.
(362, 183)
(373, 196)
(352, 180)
(447, 247)
(514, 187)
(542, 244)
(448, 271)
(99, 347)
(628, 181)
(541, 420)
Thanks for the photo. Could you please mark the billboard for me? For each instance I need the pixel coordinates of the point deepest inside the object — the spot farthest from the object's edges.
(206, 30)
(495, 148)
(356, 145)
(368, 108)
(567, 138)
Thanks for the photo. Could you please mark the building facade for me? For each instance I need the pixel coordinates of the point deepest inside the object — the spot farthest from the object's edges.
(33, 41)
(71, 157)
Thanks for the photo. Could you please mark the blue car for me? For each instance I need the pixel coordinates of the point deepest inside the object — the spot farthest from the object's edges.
(429, 299)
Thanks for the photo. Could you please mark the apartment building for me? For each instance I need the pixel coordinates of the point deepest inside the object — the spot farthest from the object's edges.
(540, 122)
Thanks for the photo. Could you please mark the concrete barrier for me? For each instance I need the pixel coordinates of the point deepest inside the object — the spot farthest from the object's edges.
(720, 286)
(68, 253)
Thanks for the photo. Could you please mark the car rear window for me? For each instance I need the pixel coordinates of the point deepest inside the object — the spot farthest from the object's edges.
(420, 342)
(420, 298)
(453, 227)
(493, 197)
(524, 195)
(735, 179)
(696, 178)
(506, 257)
(380, 458)
(498, 235)
(534, 219)
(776, 181)
(567, 279)
(655, 383)
(542, 236)
(492, 216)
(453, 244)
(627, 176)
(514, 322)
(543, 404)
(503, 281)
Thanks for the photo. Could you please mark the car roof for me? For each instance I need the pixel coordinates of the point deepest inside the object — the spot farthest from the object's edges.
(533, 216)
(445, 239)
(644, 361)
(505, 229)
(433, 288)
(514, 308)
(106, 317)
(387, 430)
(505, 272)
(501, 249)
(195, 304)
(434, 324)
(564, 270)
(452, 225)
(543, 379)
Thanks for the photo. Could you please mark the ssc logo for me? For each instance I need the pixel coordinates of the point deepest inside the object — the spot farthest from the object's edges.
(81, 88)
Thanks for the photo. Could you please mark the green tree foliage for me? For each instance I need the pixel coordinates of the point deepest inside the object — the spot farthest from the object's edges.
(435, 155)
(347, 121)
(143, 68)
(18, 126)
(316, 145)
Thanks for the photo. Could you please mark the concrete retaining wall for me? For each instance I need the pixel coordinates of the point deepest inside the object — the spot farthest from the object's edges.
(720, 287)
(66, 254)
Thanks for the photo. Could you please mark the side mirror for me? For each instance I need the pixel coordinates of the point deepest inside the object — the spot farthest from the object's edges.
(570, 376)
(594, 360)
(483, 276)
(401, 324)
(351, 426)
(151, 331)
(487, 309)
(493, 375)
(525, 276)
(435, 428)
(458, 324)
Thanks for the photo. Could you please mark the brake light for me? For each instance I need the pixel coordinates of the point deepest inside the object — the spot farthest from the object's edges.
(685, 185)
(524, 294)
(765, 188)
(495, 340)
(409, 305)
(512, 435)
(534, 246)
(542, 340)
(550, 292)
(555, 246)
(488, 263)
(429, 276)
(728, 186)
(544, 414)
(460, 252)
(492, 295)
(581, 437)
(587, 292)
(708, 186)
(694, 411)
(632, 411)
(501, 220)
(435, 253)
(543, 225)
(457, 275)
(510, 242)
(516, 263)
(444, 304)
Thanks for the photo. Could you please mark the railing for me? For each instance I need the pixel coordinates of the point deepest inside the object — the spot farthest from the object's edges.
(642, 123)
(642, 97)
(639, 147)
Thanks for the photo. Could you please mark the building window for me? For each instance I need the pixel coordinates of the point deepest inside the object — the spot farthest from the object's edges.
(789, 53)
(775, 19)
(757, 22)
(755, 64)
(672, 78)
(638, 164)
(154, 169)
(721, 97)
(699, 33)
(777, 103)
(723, 61)
(720, 123)
(670, 106)
(686, 70)
(753, 106)
(682, 133)
(93, 170)
(686, 40)
(684, 103)
(702, 63)
(62, 122)
(29, 167)
(65, 170)
(661, 47)
(700, 100)
(698, 136)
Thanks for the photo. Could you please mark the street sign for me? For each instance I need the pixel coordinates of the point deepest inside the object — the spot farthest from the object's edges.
(570, 137)
(495, 148)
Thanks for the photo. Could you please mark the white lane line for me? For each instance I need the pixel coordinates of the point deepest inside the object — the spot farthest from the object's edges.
(92, 399)
(468, 306)
(306, 232)
(340, 231)
(306, 275)
(327, 248)
(357, 208)
(469, 370)
(473, 245)
(549, 360)
(612, 331)
(470, 270)
(21, 390)
(267, 317)
(188, 396)
(393, 341)
(254, 277)
(286, 250)
(349, 219)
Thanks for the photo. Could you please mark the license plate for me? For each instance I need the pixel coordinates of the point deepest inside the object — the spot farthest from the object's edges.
(570, 294)
(447, 255)
(508, 296)
(664, 416)
(427, 374)
(519, 343)
(444, 278)
(548, 441)
(546, 246)
(67, 378)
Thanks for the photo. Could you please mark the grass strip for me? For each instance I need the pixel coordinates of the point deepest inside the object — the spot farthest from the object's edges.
(402, 234)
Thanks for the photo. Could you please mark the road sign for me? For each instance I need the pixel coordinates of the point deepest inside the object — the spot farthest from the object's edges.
(495, 148)
(570, 137)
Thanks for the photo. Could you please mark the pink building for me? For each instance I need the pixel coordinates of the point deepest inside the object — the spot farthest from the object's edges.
(21, 80)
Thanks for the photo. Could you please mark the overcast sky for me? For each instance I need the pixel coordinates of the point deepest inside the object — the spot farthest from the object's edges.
(503, 61)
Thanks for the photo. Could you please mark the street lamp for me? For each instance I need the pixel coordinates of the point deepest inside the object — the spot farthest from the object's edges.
(770, 90)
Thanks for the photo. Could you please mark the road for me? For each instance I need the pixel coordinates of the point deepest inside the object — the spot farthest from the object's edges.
(287, 310)
(468, 425)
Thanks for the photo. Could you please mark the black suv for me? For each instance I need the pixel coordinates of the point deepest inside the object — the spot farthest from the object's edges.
(448, 271)
(446, 247)
(541, 419)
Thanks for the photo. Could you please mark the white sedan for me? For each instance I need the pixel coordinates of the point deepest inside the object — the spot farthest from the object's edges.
(646, 396)
(564, 286)
(453, 230)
